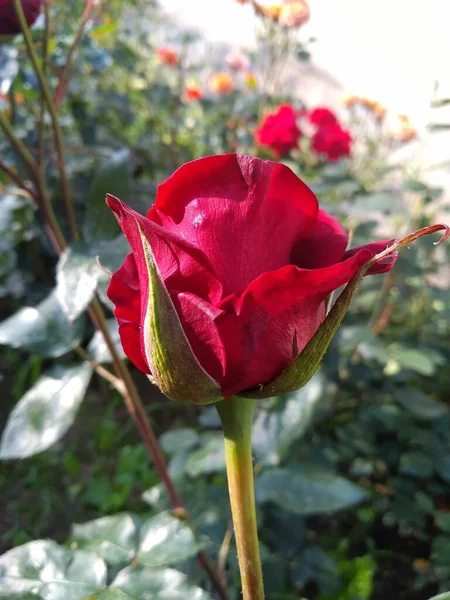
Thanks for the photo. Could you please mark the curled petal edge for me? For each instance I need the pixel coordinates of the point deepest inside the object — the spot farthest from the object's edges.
(306, 364)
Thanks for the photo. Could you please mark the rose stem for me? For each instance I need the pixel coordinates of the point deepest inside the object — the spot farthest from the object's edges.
(41, 123)
(237, 416)
(59, 143)
(131, 397)
(42, 196)
(63, 79)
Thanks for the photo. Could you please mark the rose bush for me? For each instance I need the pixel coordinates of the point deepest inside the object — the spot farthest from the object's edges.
(9, 24)
(248, 259)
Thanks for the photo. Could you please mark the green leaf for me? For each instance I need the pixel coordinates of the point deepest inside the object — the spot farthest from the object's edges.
(441, 102)
(443, 468)
(44, 414)
(77, 275)
(114, 538)
(166, 584)
(416, 464)
(114, 177)
(209, 458)
(43, 329)
(439, 126)
(97, 347)
(51, 572)
(359, 338)
(179, 440)
(419, 404)
(442, 520)
(274, 431)
(421, 361)
(165, 540)
(444, 596)
(307, 490)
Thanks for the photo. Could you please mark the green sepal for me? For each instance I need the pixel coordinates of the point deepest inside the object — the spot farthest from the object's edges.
(308, 361)
(174, 366)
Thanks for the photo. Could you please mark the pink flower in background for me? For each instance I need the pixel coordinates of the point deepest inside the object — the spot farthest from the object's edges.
(279, 130)
(294, 14)
(9, 24)
(237, 61)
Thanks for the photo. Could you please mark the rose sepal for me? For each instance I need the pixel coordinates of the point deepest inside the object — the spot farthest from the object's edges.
(301, 370)
(173, 365)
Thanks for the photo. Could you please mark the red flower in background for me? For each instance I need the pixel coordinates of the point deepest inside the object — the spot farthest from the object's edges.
(193, 92)
(167, 56)
(9, 24)
(330, 139)
(322, 116)
(279, 130)
(248, 259)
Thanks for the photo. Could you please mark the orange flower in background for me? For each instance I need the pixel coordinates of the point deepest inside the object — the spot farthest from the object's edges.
(221, 83)
(272, 10)
(250, 80)
(243, 1)
(167, 56)
(405, 131)
(294, 14)
(351, 100)
(379, 111)
(193, 92)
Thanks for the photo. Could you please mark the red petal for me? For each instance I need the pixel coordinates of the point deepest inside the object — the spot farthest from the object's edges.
(245, 214)
(124, 293)
(324, 246)
(274, 319)
(182, 266)
(382, 266)
(198, 317)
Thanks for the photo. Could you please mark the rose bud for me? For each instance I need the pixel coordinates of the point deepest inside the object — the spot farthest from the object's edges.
(226, 286)
(9, 23)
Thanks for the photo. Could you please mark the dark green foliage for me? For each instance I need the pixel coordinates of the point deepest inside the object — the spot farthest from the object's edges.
(352, 471)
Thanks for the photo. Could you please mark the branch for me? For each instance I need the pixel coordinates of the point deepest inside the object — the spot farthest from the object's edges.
(63, 78)
(67, 193)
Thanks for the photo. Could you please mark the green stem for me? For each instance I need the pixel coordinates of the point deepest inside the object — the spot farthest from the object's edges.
(59, 143)
(38, 180)
(237, 416)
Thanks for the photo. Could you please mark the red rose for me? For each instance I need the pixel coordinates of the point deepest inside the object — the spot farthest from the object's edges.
(279, 130)
(322, 116)
(9, 24)
(332, 141)
(248, 260)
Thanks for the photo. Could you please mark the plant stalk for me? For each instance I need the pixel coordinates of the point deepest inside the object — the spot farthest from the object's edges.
(64, 77)
(42, 197)
(59, 142)
(237, 416)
